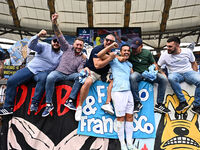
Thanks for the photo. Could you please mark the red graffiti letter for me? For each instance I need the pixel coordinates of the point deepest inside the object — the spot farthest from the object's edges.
(22, 98)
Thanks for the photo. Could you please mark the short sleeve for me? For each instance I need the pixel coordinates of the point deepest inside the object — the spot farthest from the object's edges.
(151, 59)
(191, 55)
(161, 60)
(130, 65)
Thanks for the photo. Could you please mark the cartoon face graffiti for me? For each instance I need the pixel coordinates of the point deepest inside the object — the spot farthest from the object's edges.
(179, 132)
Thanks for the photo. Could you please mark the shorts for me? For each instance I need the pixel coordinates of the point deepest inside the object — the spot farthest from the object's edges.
(123, 103)
(94, 76)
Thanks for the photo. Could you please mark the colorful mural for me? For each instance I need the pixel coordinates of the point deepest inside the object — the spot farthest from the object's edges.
(26, 130)
(180, 129)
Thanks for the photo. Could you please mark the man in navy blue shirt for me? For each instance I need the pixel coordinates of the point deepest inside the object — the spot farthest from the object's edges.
(98, 69)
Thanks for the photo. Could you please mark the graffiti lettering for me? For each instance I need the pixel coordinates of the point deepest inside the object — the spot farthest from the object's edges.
(87, 109)
(144, 94)
(62, 93)
(22, 98)
(99, 93)
(61, 100)
(137, 123)
(99, 126)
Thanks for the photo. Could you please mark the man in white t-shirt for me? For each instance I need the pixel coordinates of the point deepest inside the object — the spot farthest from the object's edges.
(182, 67)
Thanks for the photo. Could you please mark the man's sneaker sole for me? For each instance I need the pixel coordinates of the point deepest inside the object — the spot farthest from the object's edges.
(183, 108)
(111, 113)
(159, 110)
(8, 113)
(33, 110)
(108, 111)
(48, 113)
(195, 112)
(69, 107)
(136, 111)
(140, 107)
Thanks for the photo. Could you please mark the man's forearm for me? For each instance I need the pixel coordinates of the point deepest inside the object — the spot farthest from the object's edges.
(99, 63)
(104, 62)
(56, 29)
(103, 52)
(195, 66)
(161, 71)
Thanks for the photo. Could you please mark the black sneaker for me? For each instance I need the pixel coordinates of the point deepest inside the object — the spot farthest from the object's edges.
(69, 104)
(196, 110)
(182, 106)
(34, 107)
(6, 111)
(161, 108)
(47, 110)
(138, 107)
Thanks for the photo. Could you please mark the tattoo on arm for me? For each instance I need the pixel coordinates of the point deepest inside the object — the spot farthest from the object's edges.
(56, 29)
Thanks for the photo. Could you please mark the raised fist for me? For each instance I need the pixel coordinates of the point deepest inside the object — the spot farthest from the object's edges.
(42, 33)
(54, 17)
(114, 45)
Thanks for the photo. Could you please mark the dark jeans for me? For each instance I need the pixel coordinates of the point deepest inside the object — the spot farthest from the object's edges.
(20, 77)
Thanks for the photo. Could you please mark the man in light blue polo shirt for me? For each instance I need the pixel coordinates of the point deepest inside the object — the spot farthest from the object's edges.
(46, 59)
(121, 93)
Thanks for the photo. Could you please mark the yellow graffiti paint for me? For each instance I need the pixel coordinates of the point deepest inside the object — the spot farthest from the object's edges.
(180, 134)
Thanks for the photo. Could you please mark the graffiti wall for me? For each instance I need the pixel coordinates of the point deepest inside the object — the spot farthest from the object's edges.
(26, 130)
(178, 129)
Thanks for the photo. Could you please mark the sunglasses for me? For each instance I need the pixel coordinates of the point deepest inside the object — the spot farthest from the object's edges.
(111, 41)
(55, 40)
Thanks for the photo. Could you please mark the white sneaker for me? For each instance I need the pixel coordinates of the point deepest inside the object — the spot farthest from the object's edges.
(78, 113)
(108, 108)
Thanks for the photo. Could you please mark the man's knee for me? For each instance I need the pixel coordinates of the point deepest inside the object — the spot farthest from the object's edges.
(129, 117)
(172, 78)
(163, 78)
(11, 81)
(135, 76)
(88, 83)
(50, 77)
(41, 80)
(198, 82)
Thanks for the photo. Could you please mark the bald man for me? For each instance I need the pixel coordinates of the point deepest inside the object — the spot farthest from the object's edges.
(98, 69)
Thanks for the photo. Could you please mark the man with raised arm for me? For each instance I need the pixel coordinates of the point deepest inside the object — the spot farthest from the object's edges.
(46, 59)
(98, 69)
(72, 62)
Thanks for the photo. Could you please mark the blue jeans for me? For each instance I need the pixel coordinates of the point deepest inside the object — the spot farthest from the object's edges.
(56, 76)
(191, 77)
(40, 78)
(136, 77)
(20, 77)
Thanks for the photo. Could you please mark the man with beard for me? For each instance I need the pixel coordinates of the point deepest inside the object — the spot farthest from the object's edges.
(46, 59)
(72, 62)
(141, 59)
(182, 67)
(98, 70)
